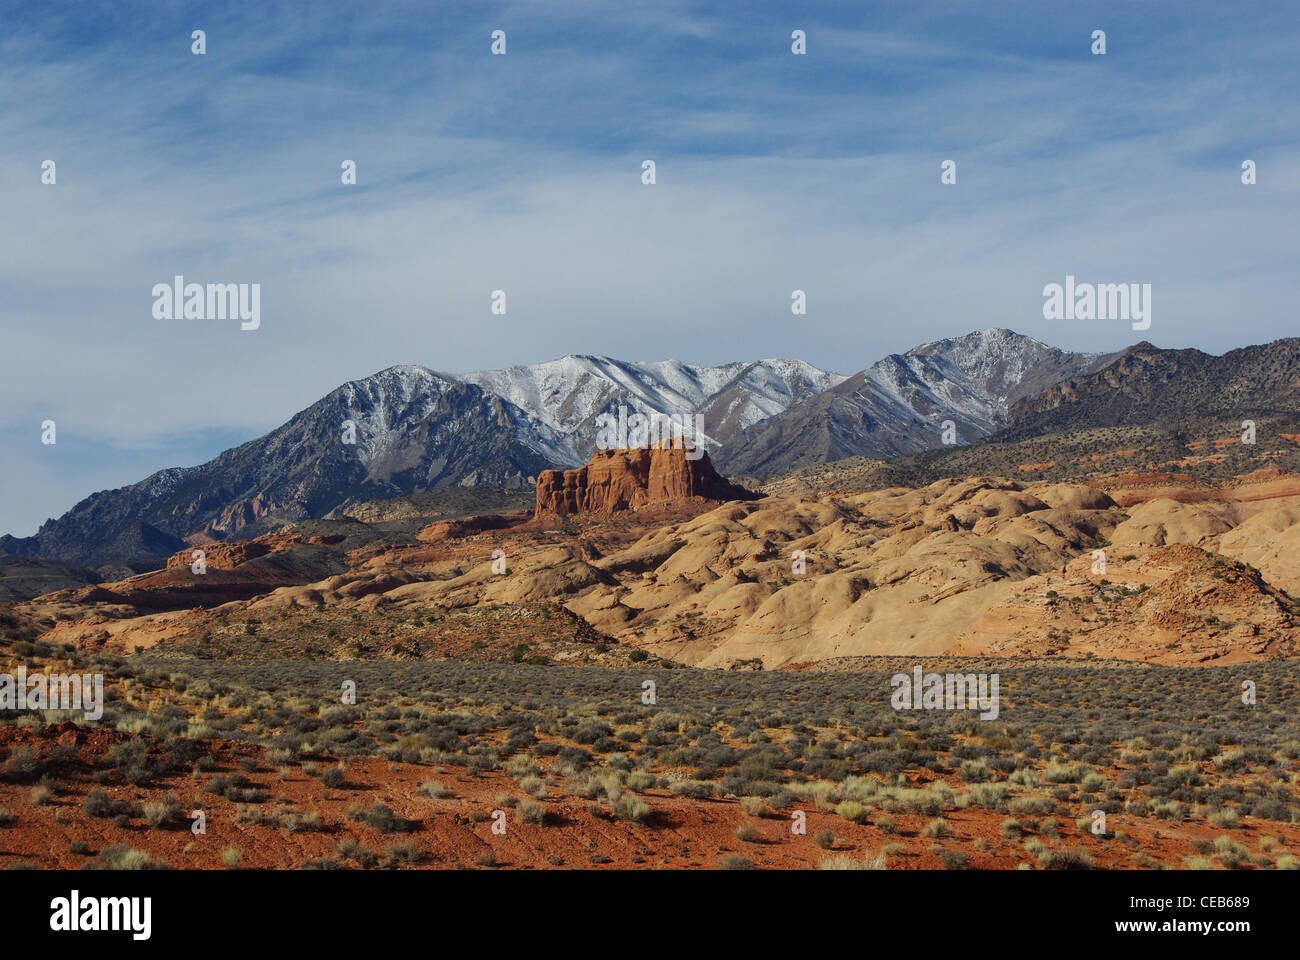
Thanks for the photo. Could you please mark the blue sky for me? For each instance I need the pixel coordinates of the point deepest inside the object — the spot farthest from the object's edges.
(522, 173)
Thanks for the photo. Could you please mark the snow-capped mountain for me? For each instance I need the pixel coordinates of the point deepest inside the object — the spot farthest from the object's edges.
(899, 404)
(408, 429)
(567, 395)
(402, 430)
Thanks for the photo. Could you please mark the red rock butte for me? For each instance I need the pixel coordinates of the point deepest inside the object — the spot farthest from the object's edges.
(624, 479)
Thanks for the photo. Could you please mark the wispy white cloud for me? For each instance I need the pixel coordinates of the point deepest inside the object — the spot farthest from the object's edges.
(522, 173)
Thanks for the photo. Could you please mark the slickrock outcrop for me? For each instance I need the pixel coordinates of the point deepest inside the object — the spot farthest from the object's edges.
(980, 566)
(226, 555)
(623, 479)
(441, 530)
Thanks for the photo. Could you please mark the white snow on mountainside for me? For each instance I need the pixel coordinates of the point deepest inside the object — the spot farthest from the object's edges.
(976, 377)
(898, 404)
(553, 406)
(409, 428)
(568, 394)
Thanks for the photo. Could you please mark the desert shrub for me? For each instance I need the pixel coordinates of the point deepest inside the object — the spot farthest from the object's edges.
(954, 860)
(640, 780)
(131, 760)
(852, 810)
(695, 789)
(533, 786)
(992, 796)
(1092, 781)
(1026, 777)
(858, 788)
(1229, 851)
(846, 862)
(1072, 859)
(735, 861)
(162, 813)
(309, 822)
(910, 801)
(589, 731)
(1062, 773)
(236, 788)
(531, 812)
(42, 794)
(350, 849)
(1223, 817)
(22, 764)
(99, 804)
(403, 852)
(435, 788)
(121, 857)
(631, 807)
(1168, 810)
(1031, 806)
(937, 827)
(381, 817)
(1270, 809)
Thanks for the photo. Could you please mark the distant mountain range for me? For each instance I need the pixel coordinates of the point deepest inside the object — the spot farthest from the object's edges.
(567, 395)
(415, 429)
(1147, 385)
(899, 404)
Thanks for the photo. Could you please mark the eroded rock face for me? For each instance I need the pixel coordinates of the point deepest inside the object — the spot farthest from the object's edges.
(624, 479)
(980, 566)
(460, 527)
(230, 554)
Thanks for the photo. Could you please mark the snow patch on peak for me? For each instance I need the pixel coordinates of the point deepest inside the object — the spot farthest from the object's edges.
(567, 394)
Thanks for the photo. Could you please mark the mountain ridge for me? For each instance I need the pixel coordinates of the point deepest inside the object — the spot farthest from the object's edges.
(899, 404)
(413, 429)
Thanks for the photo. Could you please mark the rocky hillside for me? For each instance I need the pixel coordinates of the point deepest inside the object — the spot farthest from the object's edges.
(1193, 574)
(414, 431)
(899, 404)
(1148, 385)
(23, 577)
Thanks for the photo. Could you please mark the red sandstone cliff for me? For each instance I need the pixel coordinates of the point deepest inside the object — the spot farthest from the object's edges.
(616, 480)
(226, 555)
